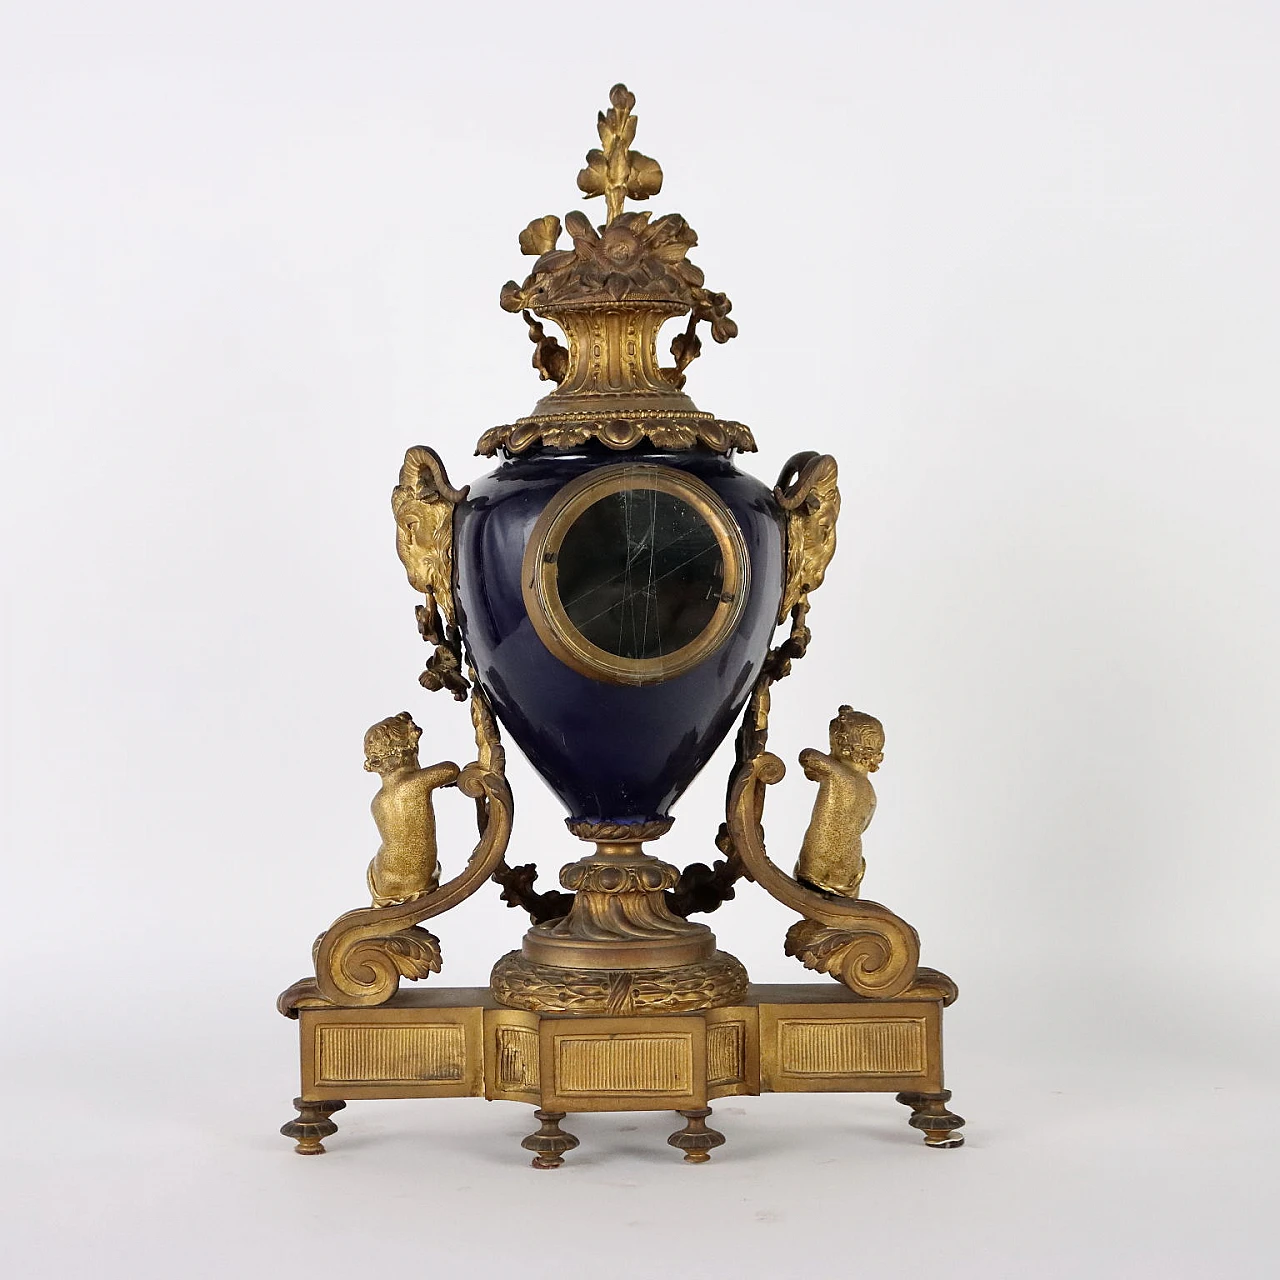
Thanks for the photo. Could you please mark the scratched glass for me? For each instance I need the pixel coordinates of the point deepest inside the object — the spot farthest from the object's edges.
(640, 573)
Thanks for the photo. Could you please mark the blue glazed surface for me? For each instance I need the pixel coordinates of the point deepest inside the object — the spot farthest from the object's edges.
(611, 752)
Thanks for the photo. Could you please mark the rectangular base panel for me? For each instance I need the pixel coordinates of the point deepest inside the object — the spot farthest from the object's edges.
(458, 1042)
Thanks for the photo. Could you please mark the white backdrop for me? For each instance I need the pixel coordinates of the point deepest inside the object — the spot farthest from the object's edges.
(1015, 264)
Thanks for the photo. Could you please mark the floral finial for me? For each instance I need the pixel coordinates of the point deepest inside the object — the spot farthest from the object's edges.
(628, 259)
(616, 171)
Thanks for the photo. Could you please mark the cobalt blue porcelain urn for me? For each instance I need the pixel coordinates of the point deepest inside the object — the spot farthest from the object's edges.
(617, 607)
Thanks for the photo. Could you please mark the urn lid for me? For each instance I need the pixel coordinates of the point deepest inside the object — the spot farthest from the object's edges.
(610, 290)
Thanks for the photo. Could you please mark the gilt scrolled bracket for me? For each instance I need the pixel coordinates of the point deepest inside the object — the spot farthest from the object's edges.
(871, 950)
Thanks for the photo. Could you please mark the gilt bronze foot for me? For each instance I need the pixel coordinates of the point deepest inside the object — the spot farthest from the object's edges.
(550, 1142)
(695, 1139)
(312, 1125)
(929, 1114)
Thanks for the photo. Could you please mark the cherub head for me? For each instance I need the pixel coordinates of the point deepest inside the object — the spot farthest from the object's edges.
(857, 738)
(392, 744)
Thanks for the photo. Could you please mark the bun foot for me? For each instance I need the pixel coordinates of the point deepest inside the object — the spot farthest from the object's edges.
(550, 1142)
(312, 1125)
(695, 1139)
(930, 1115)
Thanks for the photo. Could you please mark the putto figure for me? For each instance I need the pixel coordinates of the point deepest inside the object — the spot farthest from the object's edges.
(831, 856)
(405, 866)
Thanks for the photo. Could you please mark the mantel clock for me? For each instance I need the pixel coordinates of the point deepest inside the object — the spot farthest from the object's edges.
(609, 595)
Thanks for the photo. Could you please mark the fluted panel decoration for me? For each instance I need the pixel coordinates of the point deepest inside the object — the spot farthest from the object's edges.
(632, 1064)
(517, 1058)
(357, 1055)
(726, 1053)
(890, 1047)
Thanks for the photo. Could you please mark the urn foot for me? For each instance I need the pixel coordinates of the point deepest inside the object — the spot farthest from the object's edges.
(521, 983)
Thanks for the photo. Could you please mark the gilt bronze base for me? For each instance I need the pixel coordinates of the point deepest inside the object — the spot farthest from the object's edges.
(459, 1042)
(610, 594)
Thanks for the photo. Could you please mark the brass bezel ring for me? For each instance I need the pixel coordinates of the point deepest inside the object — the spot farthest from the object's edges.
(539, 573)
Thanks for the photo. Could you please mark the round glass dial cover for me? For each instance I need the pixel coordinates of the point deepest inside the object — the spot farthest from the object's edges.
(635, 573)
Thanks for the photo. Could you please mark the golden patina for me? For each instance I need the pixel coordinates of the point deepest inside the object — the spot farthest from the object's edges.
(360, 959)
(610, 290)
(615, 1000)
(405, 866)
(423, 504)
(457, 1042)
(550, 989)
(807, 492)
(831, 856)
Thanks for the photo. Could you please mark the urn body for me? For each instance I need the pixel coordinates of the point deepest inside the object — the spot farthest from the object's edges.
(617, 747)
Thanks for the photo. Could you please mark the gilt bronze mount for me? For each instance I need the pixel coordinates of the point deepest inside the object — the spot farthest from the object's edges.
(608, 596)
